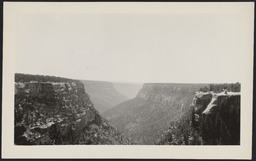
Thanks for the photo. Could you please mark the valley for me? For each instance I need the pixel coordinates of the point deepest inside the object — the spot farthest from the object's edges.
(53, 110)
(103, 94)
(146, 117)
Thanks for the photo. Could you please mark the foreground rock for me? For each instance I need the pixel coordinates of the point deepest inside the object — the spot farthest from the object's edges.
(211, 119)
(217, 117)
(52, 110)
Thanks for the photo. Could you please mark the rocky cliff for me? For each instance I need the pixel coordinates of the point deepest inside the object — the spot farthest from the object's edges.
(53, 110)
(212, 118)
(217, 117)
(146, 117)
(166, 93)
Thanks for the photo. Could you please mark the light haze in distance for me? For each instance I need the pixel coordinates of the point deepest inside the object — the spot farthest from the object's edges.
(139, 48)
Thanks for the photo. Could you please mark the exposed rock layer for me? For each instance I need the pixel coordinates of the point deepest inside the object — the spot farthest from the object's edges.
(147, 116)
(217, 117)
(58, 112)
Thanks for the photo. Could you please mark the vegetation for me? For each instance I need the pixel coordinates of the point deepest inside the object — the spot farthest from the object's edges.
(146, 117)
(160, 114)
(44, 115)
(219, 128)
(231, 87)
(181, 132)
(39, 78)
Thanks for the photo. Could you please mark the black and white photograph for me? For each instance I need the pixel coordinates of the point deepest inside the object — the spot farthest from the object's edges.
(128, 75)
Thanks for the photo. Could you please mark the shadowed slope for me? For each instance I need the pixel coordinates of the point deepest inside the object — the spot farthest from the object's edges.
(147, 116)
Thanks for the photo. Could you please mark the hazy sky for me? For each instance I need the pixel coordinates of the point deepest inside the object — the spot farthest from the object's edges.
(131, 47)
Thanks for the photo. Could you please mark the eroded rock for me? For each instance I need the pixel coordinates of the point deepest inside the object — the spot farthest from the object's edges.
(58, 113)
(217, 117)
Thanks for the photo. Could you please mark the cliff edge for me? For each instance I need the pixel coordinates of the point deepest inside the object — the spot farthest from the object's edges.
(217, 117)
(53, 110)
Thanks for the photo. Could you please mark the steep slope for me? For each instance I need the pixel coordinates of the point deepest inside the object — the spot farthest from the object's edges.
(147, 116)
(53, 110)
(103, 94)
(212, 119)
(130, 90)
(218, 121)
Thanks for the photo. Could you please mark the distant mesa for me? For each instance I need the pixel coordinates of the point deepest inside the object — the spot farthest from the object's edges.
(103, 94)
(130, 90)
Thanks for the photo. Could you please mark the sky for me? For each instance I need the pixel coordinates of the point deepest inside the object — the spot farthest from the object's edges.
(129, 47)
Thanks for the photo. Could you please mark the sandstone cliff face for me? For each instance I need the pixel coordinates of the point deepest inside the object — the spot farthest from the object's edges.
(147, 116)
(217, 117)
(211, 119)
(59, 112)
(166, 93)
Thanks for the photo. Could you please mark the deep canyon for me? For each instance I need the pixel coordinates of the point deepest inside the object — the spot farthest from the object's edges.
(52, 110)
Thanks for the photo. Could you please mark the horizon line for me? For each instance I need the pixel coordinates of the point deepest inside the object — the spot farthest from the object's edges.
(130, 82)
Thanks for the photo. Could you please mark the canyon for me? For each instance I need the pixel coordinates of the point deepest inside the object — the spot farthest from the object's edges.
(103, 94)
(146, 117)
(59, 111)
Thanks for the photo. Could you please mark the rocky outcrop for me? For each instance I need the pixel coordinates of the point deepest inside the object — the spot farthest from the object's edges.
(217, 117)
(58, 112)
